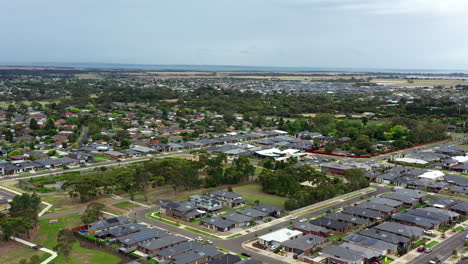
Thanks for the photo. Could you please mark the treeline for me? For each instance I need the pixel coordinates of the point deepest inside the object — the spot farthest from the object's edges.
(287, 183)
(180, 174)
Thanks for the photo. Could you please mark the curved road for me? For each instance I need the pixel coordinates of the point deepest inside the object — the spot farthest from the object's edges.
(235, 244)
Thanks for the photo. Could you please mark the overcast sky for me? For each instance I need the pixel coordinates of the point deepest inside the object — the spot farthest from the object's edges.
(417, 34)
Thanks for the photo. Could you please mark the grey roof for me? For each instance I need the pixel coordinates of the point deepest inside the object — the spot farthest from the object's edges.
(328, 223)
(459, 189)
(181, 207)
(389, 176)
(162, 242)
(385, 236)
(455, 179)
(336, 166)
(358, 211)
(195, 255)
(440, 211)
(109, 223)
(400, 229)
(267, 208)
(370, 242)
(462, 206)
(343, 253)
(365, 252)
(399, 197)
(238, 218)
(305, 242)
(218, 222)
(347, 218)
(411, 193)
(251, 212)
(417, 220)
(385, 201)
(143, 235)
(184, 247)
(122, 230)
(444, 201)
(225, 259)
(376, 207)
(306, 226)
(222, 193)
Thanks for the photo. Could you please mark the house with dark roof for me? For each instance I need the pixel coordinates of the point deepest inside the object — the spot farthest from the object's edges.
(200, 255)
(410, 219)
(385, 201)
(400, 229)
(132, 241)
(308, 228)
(153, 246)
(218, 224)
(363, 212)
(369, 255)
(229, 199)
(334, 168)
(185, 211)
(461, 208)
(350, 220)
(256, 215)
(107, 224)
(269, 209)
(405, 199)
(303, 244)
(376, 244)
(400, 241)
(240, 220)
(340, 255)
(120, 231)
(170, 252)
(331, 224)
(381, 208)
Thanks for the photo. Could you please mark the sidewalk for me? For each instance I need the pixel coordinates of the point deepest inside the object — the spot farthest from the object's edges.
(29, 244)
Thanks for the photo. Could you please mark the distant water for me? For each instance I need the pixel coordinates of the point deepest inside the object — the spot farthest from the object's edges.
(226, 68)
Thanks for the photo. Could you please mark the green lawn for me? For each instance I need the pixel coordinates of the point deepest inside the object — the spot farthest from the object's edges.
(48, 238)
(458, 228)
(101, 158)
(161, 219)
(387, 260)
(126, 205)
(432, 244)
(253, 192)
(23, 252)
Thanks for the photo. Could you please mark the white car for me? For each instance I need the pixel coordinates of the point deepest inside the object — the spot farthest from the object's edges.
(273, 247)
(429, 232)
(294, 217)
(303, 220)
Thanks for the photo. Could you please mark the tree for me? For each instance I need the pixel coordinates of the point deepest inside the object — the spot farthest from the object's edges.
(229, 189)
(65, 241)
(330, 147)
(92, 213)
(33, 124)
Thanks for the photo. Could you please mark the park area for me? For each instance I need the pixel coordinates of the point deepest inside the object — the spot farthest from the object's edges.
(253, 192)
(47, 237)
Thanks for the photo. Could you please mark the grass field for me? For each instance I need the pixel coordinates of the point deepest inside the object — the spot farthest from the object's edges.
(48, 238)
(16, 255)
(126, 205)
(253, 192)
(101, 158)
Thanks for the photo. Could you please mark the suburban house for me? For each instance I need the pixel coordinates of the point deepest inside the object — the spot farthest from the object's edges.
(131, 241)
(340, 255)
(461, 208)
(198, 256)
(210, 205)
(400, 229)
(153, 246)
(278, 237)
(381, 208)
(185, 211)
(269, 209)
(106, 224)
(308, 228)
(120, 231)
(331, 224)
(350, 220)
(303, 244)
(334, 168)
(240, 220)
(398, 240)
(254, 214)
(229, 199)
(168, 253)
(362, 212)
(376, 244)
(218, 224)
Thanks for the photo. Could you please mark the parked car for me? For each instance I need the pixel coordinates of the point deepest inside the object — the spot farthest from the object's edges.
(435, 260)
(421, 249)
(273, 247)
(303, 220)
(82, 165)
(294, 217)
(246, 254)
(428, 250)
(429, 232)
(209, 242)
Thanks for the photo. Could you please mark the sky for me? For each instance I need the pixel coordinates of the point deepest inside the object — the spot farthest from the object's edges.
(396, 34)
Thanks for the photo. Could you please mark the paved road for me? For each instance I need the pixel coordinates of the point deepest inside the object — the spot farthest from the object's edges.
(443, 250)
(235, 244)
